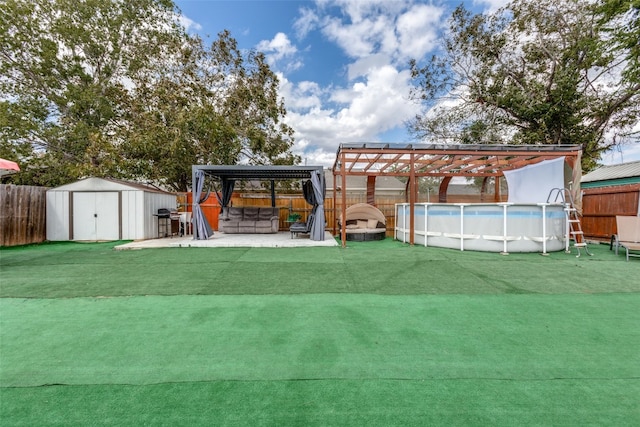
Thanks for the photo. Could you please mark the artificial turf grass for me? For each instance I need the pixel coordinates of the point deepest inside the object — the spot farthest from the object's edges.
(360, 401)
(387, 267)
(329, 402)
(146, 340)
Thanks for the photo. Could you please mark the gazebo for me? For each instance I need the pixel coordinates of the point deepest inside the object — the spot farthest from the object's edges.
(229, 174)
(444, 161)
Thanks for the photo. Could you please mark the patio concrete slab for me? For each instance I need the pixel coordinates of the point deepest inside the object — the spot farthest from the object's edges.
(222, 240)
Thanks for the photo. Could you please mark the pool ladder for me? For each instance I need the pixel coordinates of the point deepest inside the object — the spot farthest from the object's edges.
(573, 221)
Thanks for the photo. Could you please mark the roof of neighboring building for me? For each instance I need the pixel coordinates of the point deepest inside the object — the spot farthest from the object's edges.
(613, 172)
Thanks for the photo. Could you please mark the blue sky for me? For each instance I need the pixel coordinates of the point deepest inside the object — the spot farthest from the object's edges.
(342, 64)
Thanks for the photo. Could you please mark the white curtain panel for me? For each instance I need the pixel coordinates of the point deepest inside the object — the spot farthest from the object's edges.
(532, 184)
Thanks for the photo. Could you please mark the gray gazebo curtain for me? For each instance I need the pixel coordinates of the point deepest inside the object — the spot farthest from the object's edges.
(202, 228)
(227, 191)
(308, 193)
(319, 189)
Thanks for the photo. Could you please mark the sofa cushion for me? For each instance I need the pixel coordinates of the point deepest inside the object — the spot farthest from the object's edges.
(234, 214)
(265, 214)
(362, 223)
(229, 226)
(372, 223)
(251, 214)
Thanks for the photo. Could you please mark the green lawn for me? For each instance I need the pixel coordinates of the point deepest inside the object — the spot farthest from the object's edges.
(378, 333)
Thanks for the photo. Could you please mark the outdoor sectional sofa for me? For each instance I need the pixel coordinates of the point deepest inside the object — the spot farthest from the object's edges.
(364, 222)
(249, 220)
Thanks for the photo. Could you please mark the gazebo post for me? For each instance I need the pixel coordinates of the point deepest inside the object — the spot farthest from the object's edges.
(273, 193)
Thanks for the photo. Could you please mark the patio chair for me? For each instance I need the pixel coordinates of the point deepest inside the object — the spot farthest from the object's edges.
(302, 227)
(628, 236)
(186, 226)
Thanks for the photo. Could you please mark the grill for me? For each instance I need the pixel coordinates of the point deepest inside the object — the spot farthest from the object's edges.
(168, 222)
(163, 213)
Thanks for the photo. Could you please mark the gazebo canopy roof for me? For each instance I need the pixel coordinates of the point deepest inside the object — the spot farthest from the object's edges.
(257, 172)
(443, 160)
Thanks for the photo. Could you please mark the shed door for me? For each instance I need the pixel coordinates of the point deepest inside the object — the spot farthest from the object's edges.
(95, 216)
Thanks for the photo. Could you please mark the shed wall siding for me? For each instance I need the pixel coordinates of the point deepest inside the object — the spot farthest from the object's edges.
(58, 215)
(153, 202)
(132, 220)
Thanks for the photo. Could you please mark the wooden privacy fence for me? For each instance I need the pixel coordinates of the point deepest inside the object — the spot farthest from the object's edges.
(290, 204)
(23, 211)
(601, 205)
(295, 203)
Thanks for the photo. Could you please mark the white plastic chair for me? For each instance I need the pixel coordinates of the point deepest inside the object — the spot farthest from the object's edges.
(185, 223)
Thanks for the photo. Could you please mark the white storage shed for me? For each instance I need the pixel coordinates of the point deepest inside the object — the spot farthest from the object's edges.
(96, 209)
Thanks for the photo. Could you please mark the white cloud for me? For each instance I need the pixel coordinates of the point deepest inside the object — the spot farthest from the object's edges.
(626, 151)
(303, 96)
(365, 65)
(418, 30)
(622, 154)
(362, 111)
(307, 22)
(188, 23)
(278, 50)
(491, 5)
(361, 38)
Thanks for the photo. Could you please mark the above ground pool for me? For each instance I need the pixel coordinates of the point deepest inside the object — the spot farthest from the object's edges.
(489, 227)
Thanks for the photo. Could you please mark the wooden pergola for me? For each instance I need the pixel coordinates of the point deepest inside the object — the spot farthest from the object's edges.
(444, 161)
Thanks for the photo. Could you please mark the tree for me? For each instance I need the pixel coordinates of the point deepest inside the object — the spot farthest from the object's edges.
(621, 18)
(64, 69)
(118, 89)
(213, 105)
(541, 72)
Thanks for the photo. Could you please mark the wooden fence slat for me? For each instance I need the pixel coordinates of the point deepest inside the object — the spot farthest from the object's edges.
(23, 211)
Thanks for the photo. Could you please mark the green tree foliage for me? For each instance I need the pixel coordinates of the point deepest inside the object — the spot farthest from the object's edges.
(621, 18)
(118, 89)
(542, 72)
(64, 66)
(211, 105)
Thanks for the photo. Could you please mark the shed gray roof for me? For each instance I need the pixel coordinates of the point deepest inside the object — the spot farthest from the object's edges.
(609, 172)
(95, 184)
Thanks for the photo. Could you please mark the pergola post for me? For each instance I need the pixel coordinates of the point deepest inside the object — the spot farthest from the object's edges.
(335, 200)
(343, 207)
